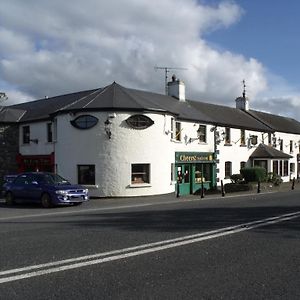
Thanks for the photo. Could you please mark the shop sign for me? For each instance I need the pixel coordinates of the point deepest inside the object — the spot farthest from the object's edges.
(190, 157)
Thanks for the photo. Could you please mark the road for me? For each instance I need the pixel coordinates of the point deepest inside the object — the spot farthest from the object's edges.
(245, 247)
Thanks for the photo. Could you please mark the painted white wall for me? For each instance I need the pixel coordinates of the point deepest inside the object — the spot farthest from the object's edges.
(38, 130)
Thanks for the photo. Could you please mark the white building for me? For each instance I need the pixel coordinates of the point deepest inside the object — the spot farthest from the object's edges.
(123, 142)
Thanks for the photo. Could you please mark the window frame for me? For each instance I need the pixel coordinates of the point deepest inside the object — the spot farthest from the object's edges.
(49, 132)
(228, 169)
(26, 134)
(92, 173)
(142, 176)
(202, 134)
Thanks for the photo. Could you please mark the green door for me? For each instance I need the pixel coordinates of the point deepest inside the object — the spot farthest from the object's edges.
(184, 179)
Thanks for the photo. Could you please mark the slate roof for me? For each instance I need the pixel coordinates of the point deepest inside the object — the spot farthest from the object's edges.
(265, 151)
(115, 97)
(10, 115)
(277, 123)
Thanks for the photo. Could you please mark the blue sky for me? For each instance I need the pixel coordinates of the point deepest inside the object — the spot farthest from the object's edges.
(53, 47)
(269, 31)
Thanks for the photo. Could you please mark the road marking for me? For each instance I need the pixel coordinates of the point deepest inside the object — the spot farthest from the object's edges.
(84, 261)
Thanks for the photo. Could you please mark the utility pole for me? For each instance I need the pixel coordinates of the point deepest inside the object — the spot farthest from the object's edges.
(167, 70)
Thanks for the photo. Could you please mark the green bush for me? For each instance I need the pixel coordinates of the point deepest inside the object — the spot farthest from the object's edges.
(254, 174)
(237, 178)
(274, 178)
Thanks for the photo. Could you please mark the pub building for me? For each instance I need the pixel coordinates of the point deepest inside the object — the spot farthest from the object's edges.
(123, 142)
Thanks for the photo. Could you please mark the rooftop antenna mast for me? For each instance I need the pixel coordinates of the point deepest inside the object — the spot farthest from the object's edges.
(244, 88)
(167, 70)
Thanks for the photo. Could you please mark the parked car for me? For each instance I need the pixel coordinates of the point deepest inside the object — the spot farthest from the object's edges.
(6, 179)
(49, 189)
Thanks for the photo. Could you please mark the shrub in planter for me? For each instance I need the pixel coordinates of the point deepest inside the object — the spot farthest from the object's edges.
(237, 187)
(254, 174)
(237, 178)
(274, 178)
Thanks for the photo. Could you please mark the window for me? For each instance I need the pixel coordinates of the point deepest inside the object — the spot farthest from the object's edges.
(242, 165)
(178, 131)
(291, 147)
(26, 134)
(227, 135)
(86, 174)
(286, 168)
(139, 122)
(243, 140)
(292, 167)
(202, 133)
(270, 139)
(228, 169)
(172, 128)
(281, 144)
(49, 133)
(84, 122)
(140, 173)
(275, 167)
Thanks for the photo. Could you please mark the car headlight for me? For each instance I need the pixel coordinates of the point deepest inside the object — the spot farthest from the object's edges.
(86, 191)
(61, 192)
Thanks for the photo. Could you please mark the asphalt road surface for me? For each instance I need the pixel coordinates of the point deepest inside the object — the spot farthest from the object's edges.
(245, 247)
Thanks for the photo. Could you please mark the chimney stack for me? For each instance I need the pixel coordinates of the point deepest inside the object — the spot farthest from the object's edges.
(176, 88)
(242, 102)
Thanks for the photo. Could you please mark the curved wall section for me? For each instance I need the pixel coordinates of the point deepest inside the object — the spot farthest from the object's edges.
(112, 146)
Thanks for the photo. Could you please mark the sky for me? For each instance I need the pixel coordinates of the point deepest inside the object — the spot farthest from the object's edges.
(55, 47)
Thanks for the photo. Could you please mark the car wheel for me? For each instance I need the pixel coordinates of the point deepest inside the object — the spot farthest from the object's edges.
(46, 201)
(9, 198)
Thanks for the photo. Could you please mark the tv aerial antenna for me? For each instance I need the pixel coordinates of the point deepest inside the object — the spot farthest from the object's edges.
(167, 70)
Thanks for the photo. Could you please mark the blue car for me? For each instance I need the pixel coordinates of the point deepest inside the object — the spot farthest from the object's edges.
(49, 189)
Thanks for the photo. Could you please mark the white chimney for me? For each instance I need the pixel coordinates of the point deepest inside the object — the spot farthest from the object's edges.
(176, 88)
(242, 103)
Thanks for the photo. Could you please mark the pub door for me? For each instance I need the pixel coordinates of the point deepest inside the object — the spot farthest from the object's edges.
(184, 178)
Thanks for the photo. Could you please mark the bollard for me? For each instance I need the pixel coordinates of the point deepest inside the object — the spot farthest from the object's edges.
(222, 189)
(202, 189)
(177, 190)
(258, 186)
(293, 184)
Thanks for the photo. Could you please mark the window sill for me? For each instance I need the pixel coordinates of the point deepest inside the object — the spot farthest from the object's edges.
(90, 186)
(227, 145)
(176, 141)
(140, 185)
(243, 145)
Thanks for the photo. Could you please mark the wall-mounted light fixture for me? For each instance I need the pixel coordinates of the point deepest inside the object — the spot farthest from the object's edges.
(107, 127)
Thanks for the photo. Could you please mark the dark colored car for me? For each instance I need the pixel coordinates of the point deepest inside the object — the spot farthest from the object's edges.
(46, 188)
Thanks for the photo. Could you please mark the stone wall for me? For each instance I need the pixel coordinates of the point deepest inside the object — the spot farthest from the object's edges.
(9, 148)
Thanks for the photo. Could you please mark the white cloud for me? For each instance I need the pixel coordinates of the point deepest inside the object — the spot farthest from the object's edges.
(54, 47)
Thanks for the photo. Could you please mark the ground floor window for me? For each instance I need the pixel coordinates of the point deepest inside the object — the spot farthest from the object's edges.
(228, 169)
(86, 174)
(275, 167)
(140, 173)
(286, 168)
(202, 173)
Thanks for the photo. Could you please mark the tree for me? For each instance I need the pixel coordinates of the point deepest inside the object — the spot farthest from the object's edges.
(3, 97)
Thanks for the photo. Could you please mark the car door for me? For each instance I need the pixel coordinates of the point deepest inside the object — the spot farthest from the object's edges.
(18, 187)
(33, 188)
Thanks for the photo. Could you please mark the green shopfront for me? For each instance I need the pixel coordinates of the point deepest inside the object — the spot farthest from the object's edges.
(194, 171)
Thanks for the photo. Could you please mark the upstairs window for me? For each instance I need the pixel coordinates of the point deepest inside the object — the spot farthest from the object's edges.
(202, 133)
(49, 133)
(227, 136)
(291, 147)
(26, 134)
(84, 122)
(243, 139)
(178, 131)
(139, 122)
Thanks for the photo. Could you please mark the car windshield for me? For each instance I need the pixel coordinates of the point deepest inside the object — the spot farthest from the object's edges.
(54, 179)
